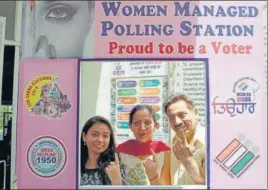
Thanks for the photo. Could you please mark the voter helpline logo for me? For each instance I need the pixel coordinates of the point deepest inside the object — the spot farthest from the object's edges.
(245, 98)
(238, 156)
(46, 156)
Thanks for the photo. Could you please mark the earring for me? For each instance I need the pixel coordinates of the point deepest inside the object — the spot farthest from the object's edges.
(85, 143)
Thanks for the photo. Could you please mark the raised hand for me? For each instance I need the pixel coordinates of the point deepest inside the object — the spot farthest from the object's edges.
(184, 154)
(181, 149)
(113, 171)
(151, 167)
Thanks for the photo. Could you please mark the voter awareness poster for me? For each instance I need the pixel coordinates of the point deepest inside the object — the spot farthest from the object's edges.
(80, 59)
(47, 105)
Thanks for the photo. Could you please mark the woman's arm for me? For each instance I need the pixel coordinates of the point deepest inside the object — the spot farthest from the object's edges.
(156, 180)
(165, 174)
(164, 179)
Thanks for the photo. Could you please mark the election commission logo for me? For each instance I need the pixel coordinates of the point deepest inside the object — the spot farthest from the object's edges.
(46, 157)
(238, 156)
(244, 99)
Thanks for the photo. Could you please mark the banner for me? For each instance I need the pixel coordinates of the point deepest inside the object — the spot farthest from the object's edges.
(212, 51)
(47, 124)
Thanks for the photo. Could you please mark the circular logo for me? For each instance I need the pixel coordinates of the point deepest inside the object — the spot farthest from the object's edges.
(46, 157)
(36, 88)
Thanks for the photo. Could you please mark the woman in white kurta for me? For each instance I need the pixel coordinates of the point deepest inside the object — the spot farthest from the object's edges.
(146, 161)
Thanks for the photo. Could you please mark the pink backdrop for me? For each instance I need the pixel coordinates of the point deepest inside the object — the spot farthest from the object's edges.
(31, 127)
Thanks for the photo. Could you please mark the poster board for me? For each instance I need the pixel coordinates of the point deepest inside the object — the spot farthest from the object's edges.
(237, 67)
(47, 123)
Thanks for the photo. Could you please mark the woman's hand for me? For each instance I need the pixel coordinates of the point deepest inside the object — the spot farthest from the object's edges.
(151, 167)
(113, 171)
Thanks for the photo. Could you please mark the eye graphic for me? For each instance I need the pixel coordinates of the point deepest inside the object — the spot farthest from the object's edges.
(61, 13)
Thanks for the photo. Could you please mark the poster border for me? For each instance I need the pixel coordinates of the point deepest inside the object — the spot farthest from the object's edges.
(205, 60)
(78, 123)
(3, 22)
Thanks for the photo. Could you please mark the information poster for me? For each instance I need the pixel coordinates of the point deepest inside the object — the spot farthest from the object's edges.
(128, 92)
(47, 124)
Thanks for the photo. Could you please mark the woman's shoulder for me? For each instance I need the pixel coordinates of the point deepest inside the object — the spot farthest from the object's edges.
(125, 144)
(160, 146)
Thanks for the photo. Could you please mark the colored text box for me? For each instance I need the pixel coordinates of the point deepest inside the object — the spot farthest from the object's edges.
(149, 91)
(126, 84)
(127, 92)
(123, 125)
(149, 99)
(126, 100)
(124, 108)
(156, 108)
(123, 116)
(149, 83)
(157, 116)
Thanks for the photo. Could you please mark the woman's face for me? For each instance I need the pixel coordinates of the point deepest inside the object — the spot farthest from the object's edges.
(61, 27)
(143, 125)
(97, 138)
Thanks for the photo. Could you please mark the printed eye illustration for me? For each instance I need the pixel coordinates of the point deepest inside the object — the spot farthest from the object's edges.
(61, 13)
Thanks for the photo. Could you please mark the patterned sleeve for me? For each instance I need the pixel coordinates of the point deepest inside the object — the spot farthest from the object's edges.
(123, 174)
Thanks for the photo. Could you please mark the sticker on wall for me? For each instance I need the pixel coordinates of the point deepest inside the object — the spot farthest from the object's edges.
(245, 89)
(43, 97)
(46, 156)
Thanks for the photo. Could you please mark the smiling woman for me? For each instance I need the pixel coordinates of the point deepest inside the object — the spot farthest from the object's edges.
(146, 161)
(57, 29)
(100, 165)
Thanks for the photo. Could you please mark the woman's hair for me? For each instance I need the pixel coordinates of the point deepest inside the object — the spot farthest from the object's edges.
(142, 107)
(105, 157)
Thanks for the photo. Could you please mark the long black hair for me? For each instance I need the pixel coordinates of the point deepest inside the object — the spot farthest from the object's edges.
(105, 157)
